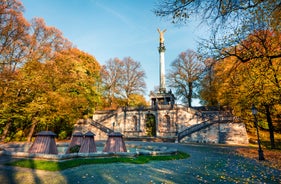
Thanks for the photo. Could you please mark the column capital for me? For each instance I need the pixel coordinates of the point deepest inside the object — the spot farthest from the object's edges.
(161, 47)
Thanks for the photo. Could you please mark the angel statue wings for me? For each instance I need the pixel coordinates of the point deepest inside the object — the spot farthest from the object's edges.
(161, 33)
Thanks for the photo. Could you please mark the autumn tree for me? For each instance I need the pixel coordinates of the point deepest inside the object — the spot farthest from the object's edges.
(13, 50)
(219, 12)
(111, 74)
(13, 36)
(207, 88)
(263, 48)
(45, 41)
(62, 90)
(137, 100)
(240, 31)
(132, 80)
(230, 21)
(122, 80)
(257, 81)
(185, 74)
(13, 42)
(45, 83)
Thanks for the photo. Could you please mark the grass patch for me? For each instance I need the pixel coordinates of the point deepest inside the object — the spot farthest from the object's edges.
(62, 165)
(267, 144)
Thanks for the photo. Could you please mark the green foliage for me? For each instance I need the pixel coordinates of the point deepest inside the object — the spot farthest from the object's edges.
(62, 135)
(263, 125)
(150, 125)
(57, 166)
(74, 149)
(18, 135)
(267, 144)
(7, 139)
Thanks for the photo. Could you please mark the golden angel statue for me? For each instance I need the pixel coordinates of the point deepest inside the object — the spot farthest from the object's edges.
(161, 33)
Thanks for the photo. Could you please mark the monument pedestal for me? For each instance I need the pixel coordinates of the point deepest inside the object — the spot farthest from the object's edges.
(162, 100)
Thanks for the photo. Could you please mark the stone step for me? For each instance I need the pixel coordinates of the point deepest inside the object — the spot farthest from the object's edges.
(151, 139)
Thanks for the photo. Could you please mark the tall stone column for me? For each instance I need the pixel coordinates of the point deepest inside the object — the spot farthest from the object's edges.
(161, 49)
(162, 99)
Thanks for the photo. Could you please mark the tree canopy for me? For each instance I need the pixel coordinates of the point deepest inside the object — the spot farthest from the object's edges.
(257, 81)
(220, 13)
(123, 82)
(184, 75)
(230, 21)
(46, 83)
(242, 53)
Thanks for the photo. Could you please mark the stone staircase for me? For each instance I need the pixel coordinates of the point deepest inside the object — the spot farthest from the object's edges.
(101, 127)
(194, 128)
(102, 119)
(210, 118)
(207, 117)
(151, 139)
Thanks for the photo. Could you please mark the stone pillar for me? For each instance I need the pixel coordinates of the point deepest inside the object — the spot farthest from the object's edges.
(44, 143)
(88, 145)
(161, 49)
(76, 140)
(115, 143)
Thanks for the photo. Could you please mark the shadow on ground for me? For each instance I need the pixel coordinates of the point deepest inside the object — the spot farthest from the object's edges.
(207, 164)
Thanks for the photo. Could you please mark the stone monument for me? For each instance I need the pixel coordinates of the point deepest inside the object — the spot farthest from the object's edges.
(162, 99)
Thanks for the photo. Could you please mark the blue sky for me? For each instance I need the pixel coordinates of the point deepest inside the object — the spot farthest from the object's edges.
(117, 28)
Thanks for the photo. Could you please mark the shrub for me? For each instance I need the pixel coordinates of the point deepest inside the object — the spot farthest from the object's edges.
(18, 135)
(7, 139)
(62, 135)
(74, 149)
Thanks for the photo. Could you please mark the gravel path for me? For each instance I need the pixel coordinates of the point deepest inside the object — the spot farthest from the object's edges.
(207, 164)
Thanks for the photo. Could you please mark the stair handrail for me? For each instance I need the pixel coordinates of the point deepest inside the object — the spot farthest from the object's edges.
(101, 127)
(194, 128)
(208, 120)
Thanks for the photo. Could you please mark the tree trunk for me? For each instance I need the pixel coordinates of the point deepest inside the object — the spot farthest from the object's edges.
(270, 126)
(6, 130)
(34, 123)
(190, 91)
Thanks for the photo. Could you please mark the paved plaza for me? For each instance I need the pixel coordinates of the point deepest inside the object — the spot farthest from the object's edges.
(207, 164)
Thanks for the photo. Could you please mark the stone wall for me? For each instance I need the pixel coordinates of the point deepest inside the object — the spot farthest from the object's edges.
(222, 133)
(131, 122)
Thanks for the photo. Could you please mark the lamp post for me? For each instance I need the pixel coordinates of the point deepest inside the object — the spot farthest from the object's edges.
(113, 124)
(255, 111)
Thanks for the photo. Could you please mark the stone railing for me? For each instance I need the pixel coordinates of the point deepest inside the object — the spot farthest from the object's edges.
(209, 118)
(101, 127)
(194, 128)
